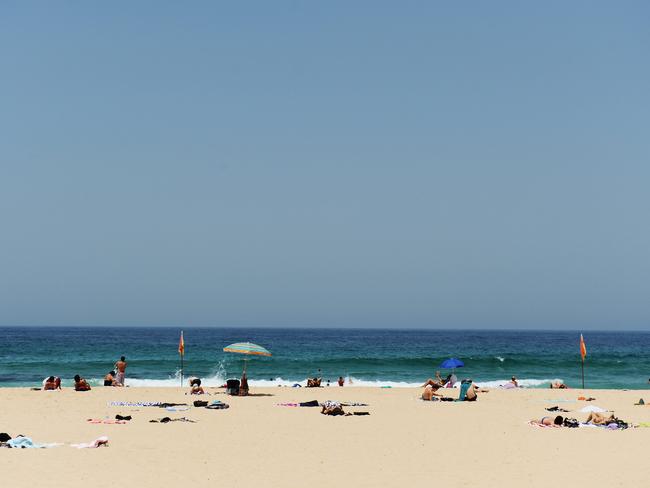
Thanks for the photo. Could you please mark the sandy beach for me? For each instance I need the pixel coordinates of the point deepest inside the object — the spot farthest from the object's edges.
(404, 441)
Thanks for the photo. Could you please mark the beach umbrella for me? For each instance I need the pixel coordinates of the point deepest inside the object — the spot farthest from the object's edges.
(247, 349)
(452, 363)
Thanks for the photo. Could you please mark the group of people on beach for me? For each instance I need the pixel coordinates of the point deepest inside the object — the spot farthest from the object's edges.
(468, 389)
(316, 381)
(115, 377)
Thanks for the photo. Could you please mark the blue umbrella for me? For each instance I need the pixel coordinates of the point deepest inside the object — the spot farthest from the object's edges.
(452, 363)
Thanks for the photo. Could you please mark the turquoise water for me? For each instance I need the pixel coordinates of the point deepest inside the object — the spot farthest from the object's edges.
(368, 357)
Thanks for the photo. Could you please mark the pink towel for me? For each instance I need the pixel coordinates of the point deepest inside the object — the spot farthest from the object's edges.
(99, 442)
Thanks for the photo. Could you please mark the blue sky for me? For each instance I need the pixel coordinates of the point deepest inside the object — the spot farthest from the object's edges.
(368, 164)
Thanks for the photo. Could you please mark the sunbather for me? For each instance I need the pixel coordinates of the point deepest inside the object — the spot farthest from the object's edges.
(80, 384)
(430, 392)
(549, 421)
(195, 387)
(472, 393)
(52, 383)
(332, 408)
(600, 419)
(450, 381)
(433, 383)
(558, 385)
(313, 382)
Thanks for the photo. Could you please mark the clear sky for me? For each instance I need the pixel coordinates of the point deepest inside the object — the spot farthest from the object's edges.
(386, 164)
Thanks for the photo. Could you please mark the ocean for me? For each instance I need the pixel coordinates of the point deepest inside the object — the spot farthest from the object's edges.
(369, 357)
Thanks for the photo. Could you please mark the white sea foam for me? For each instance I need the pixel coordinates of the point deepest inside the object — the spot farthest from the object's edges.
(219, 379)
(500, 358)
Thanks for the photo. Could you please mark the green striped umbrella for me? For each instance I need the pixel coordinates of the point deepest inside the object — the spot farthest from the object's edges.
(248, 349)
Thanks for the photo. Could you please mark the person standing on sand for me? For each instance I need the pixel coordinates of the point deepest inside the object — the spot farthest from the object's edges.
(120, 367)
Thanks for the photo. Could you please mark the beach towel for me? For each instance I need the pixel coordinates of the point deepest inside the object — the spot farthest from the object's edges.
(312, 403)
(537, 424)
(463, 390)
(176, 409)
(105, 421)
(23, 443)
(592, 408)
(99, 442)
(136, 404)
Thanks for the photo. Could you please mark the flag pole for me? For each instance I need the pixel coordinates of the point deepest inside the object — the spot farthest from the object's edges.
(181, 351)
(583, 354)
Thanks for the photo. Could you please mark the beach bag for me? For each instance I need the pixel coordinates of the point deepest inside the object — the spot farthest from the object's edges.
(232, 387)
(570, 423)
(200, 403)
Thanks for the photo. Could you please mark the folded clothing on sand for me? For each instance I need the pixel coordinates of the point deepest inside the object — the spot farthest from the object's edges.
(217, 405)
(166, 420)
(556, 409)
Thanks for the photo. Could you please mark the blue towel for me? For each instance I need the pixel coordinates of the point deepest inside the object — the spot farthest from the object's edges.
(463, 391)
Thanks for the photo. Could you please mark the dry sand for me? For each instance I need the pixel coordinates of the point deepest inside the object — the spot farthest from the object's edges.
(403, 442)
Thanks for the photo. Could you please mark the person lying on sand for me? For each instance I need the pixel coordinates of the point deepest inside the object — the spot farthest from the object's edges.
(52, 383)
(558, 385)
(195, 387)
(549, 421)
(429, 392)
(313, 382)
(332, 408)
(600, 419)
(80, 384)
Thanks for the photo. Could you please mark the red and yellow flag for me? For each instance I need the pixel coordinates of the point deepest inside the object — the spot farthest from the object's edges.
(181, 345)
(583, 348)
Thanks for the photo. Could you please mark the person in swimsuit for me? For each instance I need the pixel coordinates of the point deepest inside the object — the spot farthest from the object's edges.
(120, 367)
(430, 392)
(195, 387)
(433, 383)
(80, 384)
(550, 421)
(558, 385)
(109, 379)
(52, 383)
(600, 419)
(341, 381)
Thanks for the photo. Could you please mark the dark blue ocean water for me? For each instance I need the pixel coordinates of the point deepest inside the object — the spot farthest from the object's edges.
(369, 357)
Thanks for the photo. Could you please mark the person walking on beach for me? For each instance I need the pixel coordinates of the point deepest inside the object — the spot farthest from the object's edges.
(120, 367)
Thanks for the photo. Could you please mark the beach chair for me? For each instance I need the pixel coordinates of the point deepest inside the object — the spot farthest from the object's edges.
(232, 387)
(464, 386)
